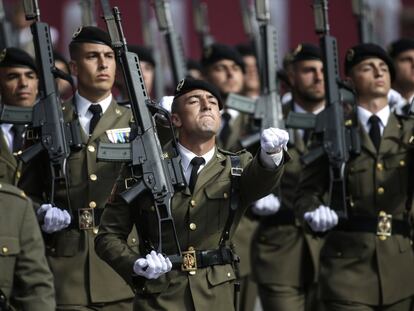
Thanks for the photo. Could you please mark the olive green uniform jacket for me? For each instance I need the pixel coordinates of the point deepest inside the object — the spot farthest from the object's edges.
(25, 277)
(284, 252)
(200, 218)
(81, 278)
(8, 163)
(359, 266)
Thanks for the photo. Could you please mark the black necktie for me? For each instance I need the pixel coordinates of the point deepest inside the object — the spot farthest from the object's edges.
(374, 131)
(17, 137)
(96, 110)
(196, 162)
(225, 130)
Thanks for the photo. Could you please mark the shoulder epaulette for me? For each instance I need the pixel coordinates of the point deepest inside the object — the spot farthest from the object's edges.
(226, 152)
(10, 189)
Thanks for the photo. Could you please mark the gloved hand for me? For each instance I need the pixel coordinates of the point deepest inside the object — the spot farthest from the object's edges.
(274, 140)
(54, 219)
(267, 205)
(152, 266)
(321, 219)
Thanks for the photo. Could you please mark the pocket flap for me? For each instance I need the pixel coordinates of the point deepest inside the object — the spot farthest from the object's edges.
(220, 274)
(218, 190)
(9, 246)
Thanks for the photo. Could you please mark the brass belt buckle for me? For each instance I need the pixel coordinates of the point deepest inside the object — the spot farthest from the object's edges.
(384, 227)
(236, 171)
(189, 261)
(86, 218)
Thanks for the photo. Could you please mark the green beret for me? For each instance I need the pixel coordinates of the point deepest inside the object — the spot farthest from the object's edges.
(14, 57)
(217, 52)
(400, 46)
(144, 53)
(306, 51)
(91, 34)
(189, 84)
(361, 52)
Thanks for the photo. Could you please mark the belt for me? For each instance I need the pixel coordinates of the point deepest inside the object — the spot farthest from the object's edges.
(86, 218)
(281, 218)
(197, 259)
(382, 226)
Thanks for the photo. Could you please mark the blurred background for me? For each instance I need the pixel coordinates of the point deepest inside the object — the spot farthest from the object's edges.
(293, 19)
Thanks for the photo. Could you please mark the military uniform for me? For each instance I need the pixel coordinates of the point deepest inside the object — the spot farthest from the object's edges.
(9, 172)
(81, 278)
(25, 278)
(200, 218)
(285, 255)
(359, 263)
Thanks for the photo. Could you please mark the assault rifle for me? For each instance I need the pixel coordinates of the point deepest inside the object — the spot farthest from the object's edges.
(251, 28)
(159, 176)
(337, 133)
(201, 24)
(88, 12)
(6, 39)
(363, 12)
(267, 109)
(173, 40)
(48, 128)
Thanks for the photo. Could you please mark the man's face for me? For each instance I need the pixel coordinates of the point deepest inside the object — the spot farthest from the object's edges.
(197, 114)
(371, 78)
(148, 73)
(307, 80)
(94, 68)
(404, 69)
(18, 86)
(226, 75)
(251, 76)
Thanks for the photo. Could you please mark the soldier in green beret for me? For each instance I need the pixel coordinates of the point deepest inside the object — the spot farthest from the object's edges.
(205, 278)
(82, 280)
(367, 259)
(26, 282)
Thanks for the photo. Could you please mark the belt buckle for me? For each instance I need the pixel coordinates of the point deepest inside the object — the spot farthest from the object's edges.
(384, 226)
(236, 171)
(129, 182)
(189, 261)
(86, 218)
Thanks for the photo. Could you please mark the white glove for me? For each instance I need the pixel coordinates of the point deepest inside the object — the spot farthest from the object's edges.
(54, 219)
(321, 219)
(274, 140)
(267, 205)
(152, 266)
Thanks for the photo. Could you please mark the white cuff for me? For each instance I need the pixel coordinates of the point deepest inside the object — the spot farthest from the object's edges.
(271, 160)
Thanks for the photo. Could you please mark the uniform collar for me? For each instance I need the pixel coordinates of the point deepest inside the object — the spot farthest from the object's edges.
(83, 104)
(299, 109)
(187, 156)
(364, 115)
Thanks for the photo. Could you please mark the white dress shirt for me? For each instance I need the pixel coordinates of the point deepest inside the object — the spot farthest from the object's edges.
(8, 134)
(299, 109)
(187, 156)
(383, 115)
(85, 116)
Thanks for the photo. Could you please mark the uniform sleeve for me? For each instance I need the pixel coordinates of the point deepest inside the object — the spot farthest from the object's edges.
(111, 241)
(33, 281)
(313, 186)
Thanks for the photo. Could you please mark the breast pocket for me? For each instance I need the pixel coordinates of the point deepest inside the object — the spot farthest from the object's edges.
(9, 251)
(396, 171)
(217, 205)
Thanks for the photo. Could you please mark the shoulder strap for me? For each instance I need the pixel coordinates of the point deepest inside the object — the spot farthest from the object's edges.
(236, 172)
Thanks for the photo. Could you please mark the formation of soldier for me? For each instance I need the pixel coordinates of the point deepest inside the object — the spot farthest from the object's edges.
(251, 224)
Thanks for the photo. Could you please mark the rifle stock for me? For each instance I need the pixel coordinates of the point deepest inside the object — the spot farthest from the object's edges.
(6, 39)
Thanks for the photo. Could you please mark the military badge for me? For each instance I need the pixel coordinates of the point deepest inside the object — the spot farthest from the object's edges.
(77, 32)
(297, 50)
(350, 55)
(119, 136)
(180, 85)
(3, 55)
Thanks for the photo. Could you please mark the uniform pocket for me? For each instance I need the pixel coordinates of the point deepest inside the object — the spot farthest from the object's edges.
(9, 250)
(344, 245)
(217, 205)
(220, 274)
(63, 243)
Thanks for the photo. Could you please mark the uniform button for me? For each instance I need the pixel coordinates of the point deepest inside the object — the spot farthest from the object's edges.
(134, 240)
(95, 231)
(18, 174)
(352, 204)
(193, 203)
(91, 148)
(144, 289)
(193, 226)
(93, 177)
(228, 274)
(192, 272)
(117, 111)
(5, 250)
(92, 204)
(380, 166)
(380, 190)
(225, 195)
(402, 163)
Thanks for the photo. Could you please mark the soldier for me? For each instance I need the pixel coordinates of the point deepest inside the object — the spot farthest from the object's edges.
(147, 64)
(65, 83)
(365, 256)
(82, 280)
(18, 87)
(284, 255)
(224, 68)
(26, 282)
(200, 211)
(194, 69)
(251, 79)
(402, 53)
